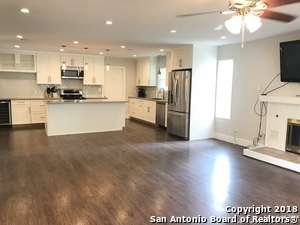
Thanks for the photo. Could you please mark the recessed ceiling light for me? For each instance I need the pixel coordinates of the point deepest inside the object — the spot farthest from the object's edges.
(101, 53)
(134, 55)
(17, 46)
(62, 50)
(75, 42)
(173, 31)
(223, 37)
(161, 50)
(24, 10)
(123, 46)
(19, 36)
(108, 22)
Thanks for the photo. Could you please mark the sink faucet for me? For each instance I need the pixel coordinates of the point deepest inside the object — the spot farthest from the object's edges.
(163, 93)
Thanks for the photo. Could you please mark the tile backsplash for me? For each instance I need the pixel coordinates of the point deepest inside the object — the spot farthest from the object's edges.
(23, 85)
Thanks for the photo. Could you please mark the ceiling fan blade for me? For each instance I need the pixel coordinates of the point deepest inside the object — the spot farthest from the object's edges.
(278, 16)
(275, 3)
(197, 14)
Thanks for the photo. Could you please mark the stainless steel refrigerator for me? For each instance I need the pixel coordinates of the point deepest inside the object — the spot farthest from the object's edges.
(179, 88)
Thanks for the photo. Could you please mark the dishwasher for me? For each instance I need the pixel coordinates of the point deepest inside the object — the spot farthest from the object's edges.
(160, 113)
(5, 113)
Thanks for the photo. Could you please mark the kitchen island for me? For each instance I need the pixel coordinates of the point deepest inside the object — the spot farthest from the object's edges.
(84, 116)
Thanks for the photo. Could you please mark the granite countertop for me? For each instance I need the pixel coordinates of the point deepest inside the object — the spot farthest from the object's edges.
(46, 99)
(95, 100)
(150, 99)
(27, 98)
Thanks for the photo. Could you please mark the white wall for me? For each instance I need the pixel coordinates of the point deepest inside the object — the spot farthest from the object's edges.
(254, 67)
(203, 92)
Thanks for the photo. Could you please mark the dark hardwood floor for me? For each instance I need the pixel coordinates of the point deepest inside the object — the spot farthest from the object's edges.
(125, 177)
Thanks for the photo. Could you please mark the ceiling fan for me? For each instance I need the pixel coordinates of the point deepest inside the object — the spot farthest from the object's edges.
(249, 13)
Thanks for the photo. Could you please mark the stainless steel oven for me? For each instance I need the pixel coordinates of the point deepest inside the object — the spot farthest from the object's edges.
(5, 113)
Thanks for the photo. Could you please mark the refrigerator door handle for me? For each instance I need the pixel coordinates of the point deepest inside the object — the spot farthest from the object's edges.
(176, 95)
(175, 88)
(174, 91)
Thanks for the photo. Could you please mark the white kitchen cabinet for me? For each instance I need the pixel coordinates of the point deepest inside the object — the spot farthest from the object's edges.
(142, 109)
(136, 108)
(94, 72)
(149, 111)
(17, 62)
(20, 112)
(71, 60)
(182, 58)
(48, 69)
(146, 71)
(37, 111)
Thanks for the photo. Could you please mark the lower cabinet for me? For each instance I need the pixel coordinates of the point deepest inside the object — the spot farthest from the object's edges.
(27, 111)
(20, 112)
(37, 111)
(142, 109)
(149, 111)
(136, 108)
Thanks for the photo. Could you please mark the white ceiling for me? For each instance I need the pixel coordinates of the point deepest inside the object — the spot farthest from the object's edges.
(143, 26)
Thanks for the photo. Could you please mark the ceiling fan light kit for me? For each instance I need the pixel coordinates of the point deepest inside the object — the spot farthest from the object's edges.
(248, 13)
(234, 24)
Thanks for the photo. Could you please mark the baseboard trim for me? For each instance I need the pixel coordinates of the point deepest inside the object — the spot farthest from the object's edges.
(230, 139)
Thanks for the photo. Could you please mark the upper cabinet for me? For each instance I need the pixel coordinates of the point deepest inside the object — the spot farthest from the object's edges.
(146, 71)
(182, 58)
(70, 60)
(48, 68)
(93, 71)
(17, 62)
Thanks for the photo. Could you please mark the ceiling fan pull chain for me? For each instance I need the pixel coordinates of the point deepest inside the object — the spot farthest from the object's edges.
(243, 32)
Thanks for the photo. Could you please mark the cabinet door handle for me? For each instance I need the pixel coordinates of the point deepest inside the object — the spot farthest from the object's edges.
(148, 109)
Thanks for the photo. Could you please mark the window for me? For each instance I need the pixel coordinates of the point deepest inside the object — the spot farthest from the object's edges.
(161, 79)
(224, 88)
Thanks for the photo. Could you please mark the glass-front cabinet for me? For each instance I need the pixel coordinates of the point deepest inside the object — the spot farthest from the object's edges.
(17, 62)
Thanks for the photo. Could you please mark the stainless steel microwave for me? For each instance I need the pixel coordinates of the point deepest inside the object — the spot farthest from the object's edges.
(72, 73)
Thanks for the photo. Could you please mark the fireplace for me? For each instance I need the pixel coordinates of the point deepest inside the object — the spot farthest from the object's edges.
(293, 136)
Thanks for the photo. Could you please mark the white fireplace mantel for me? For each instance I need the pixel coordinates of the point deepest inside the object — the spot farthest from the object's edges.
(280, 99)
